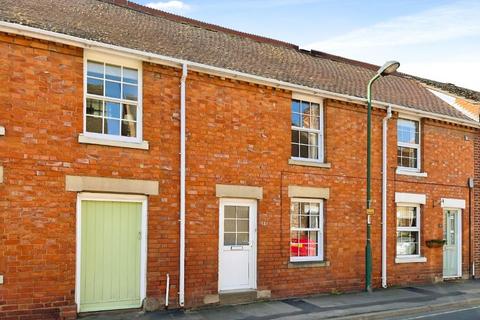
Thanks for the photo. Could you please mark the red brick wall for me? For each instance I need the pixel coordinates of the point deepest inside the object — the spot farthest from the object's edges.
(476, 216)
(238, 133)
(41, 102)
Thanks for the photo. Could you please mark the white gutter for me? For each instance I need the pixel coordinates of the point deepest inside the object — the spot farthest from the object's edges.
(181, 292)
(194, 66)
(384, 195)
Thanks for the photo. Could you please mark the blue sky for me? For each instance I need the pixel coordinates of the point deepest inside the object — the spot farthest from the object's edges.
(437, 39)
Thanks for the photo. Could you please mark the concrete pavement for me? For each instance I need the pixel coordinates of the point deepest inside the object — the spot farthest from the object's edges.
(392, 303)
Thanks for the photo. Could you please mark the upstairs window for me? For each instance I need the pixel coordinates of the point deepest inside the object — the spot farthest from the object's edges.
(408, 144)
(307, 130)
(113, 98)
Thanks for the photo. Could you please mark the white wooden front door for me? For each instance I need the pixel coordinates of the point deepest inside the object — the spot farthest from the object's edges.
(237, 268)
(452, 252)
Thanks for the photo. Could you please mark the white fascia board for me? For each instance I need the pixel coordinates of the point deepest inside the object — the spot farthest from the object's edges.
(416, 198)
(453, 203)
(15, 28)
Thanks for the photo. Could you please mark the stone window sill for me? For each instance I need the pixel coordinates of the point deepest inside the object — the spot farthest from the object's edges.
(308, 264)
(411, 173)
(307, 163)
(410, 260)
(113, 143)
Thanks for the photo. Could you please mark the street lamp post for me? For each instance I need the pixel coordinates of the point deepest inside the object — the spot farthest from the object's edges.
(388, 68)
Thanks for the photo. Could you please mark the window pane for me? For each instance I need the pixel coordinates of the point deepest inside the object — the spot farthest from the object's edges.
(295, 136)
(304, 222)
(112, 89)
(113, 72)
(112, 126)
(242, 212)
(295, 150)
(313, 139)
(242, 239)
(314, 208)
(95, 107)
(130, 75)
(129, 112)
(313, 145)
(229, 211)
(407, 243)
(295, 106)
(229, 225)
(130, 92)
(242, 225)
(94, 124)
(129, 129)
(95, 69)
(229, 239)
(112, 110)
(295, 208)
(294, 244)
(95, 86)
(303, 243)
(304, 208)
(407, 157)
(314, 221)
(408, 131)
(305, 109)
(294, 223)
(312, 249)
(296, 119)
(303, 151)
(406, 216)
(315, 121)
(303, 137)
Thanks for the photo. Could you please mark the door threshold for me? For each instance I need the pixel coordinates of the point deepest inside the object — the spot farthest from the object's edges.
(233, 297)
(237, 291)
(112, 312)
(453, 278)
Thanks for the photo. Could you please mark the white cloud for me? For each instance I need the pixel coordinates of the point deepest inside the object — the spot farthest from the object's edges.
(442, 43)
(172, 6)
(438, 24)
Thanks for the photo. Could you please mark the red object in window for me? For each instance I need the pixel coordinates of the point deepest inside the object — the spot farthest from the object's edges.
(303, 247)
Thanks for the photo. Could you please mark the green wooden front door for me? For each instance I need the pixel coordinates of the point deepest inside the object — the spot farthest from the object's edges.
(451, 252)
(110, 255)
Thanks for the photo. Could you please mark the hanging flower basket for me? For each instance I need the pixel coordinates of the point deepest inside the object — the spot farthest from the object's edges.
(435, 243)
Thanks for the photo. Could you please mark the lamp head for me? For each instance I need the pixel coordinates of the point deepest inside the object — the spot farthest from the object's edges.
(388, 68)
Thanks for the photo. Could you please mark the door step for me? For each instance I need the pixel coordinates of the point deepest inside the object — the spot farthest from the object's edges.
(239, 297)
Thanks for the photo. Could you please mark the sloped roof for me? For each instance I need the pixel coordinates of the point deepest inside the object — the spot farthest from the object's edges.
(453, 89)
(125, 24)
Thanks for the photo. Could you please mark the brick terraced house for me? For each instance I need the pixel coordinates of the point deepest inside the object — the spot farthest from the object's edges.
(148, 158)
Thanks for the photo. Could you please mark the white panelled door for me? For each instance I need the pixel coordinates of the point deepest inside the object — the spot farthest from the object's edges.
(452, 250)
(238, 244)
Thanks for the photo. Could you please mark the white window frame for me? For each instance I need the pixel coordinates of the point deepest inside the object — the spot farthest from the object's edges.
(411, 145)
(320, 230)
(409, 229)
(320, 151)
(124, 62)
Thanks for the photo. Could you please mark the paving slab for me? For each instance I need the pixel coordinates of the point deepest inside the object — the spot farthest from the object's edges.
(381, 304)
